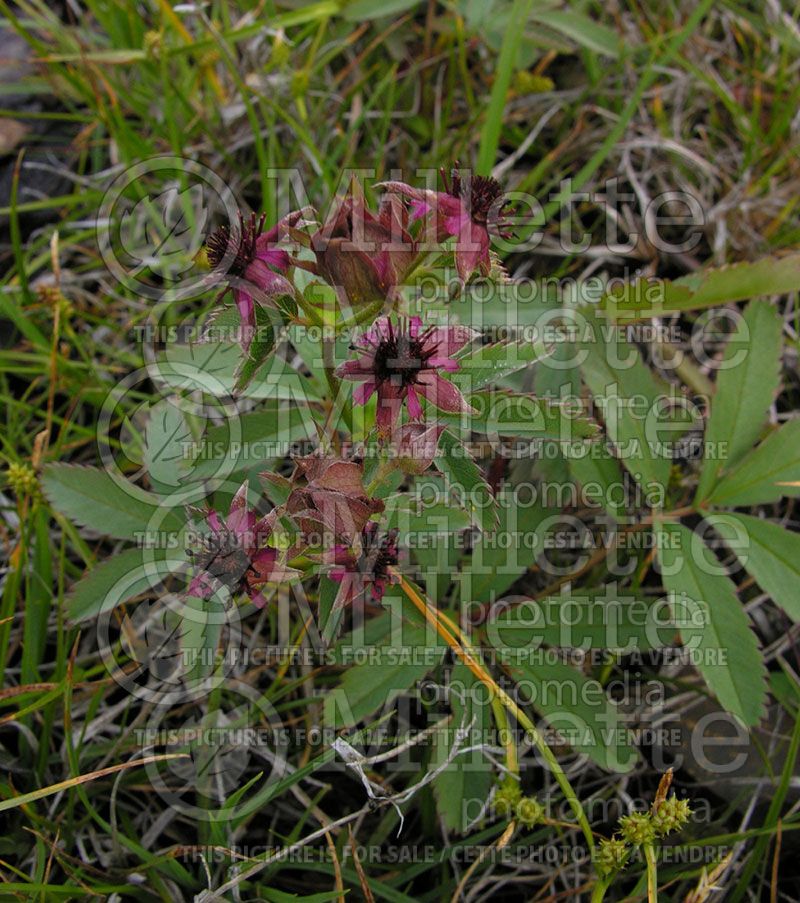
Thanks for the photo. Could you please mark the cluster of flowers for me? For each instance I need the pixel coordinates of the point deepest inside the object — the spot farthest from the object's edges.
(327, 502)
(365, 257)
(640, 829)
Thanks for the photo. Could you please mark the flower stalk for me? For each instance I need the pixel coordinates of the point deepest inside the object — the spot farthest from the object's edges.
(451, 634)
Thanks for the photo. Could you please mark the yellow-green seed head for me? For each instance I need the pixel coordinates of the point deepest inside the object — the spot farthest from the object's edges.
(611, 856)
(507, 798)
(669, 815)
(299, 83)
(153, 41)
(22, 479)
(281, 52)
(637, 828)
(529, 812)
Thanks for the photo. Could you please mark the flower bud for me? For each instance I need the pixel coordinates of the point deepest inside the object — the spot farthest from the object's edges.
(349, 270)
(327, 499)
(416, 448)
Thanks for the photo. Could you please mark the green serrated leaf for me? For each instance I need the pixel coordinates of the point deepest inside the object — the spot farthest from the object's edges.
(767, 474)
(213, 368)
(260, 349)
(421, 515)
(252, 440)
(598, 618)
(507, 414)
(500, 557)
(222, 325)
(93, 498)
(462, 788)
(167, 438)
(490, 363)
(769, 552)
(600, 473)
(118, 578)
(711, 287)
(394, 664)
(628, 395)
(464, 475)
(744, 392)
(437, 563)
(577, 708)
(201, 626)
(718, 631)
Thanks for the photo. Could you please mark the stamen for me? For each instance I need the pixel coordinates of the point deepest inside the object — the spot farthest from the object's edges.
(242, 239)
(399, 356)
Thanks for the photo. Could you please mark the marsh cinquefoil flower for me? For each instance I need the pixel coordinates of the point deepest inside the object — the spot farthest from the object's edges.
(361, 255)
(401, 362)
(328, 502)
(234, 554)
(467, 209)
(251, 260)
(365, 571)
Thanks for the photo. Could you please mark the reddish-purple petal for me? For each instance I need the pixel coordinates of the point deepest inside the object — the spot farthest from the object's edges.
(201, 587)
(472, 249)
(263, 527)
(390, 400)
(419, 209)
(241, 523)
(414, 407)
(363, 393)
(278, 230)
(446, 363)
(441, 393)
(450, 339)
(380, 329)
(240, 499)
(266, 281)
(362, 368)
(239, 519)
(420, 195)
(244, 304)
(385, 268)
(273, 257)
(457, 223)
(264, 558)
(417, 446)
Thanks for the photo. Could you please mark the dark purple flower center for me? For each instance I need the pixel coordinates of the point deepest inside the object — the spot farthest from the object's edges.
(379, 553)
(481, 192)
(223, 557)
(239, 242)
(400, 357)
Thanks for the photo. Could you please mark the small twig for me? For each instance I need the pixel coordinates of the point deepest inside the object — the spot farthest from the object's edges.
(501, 842)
